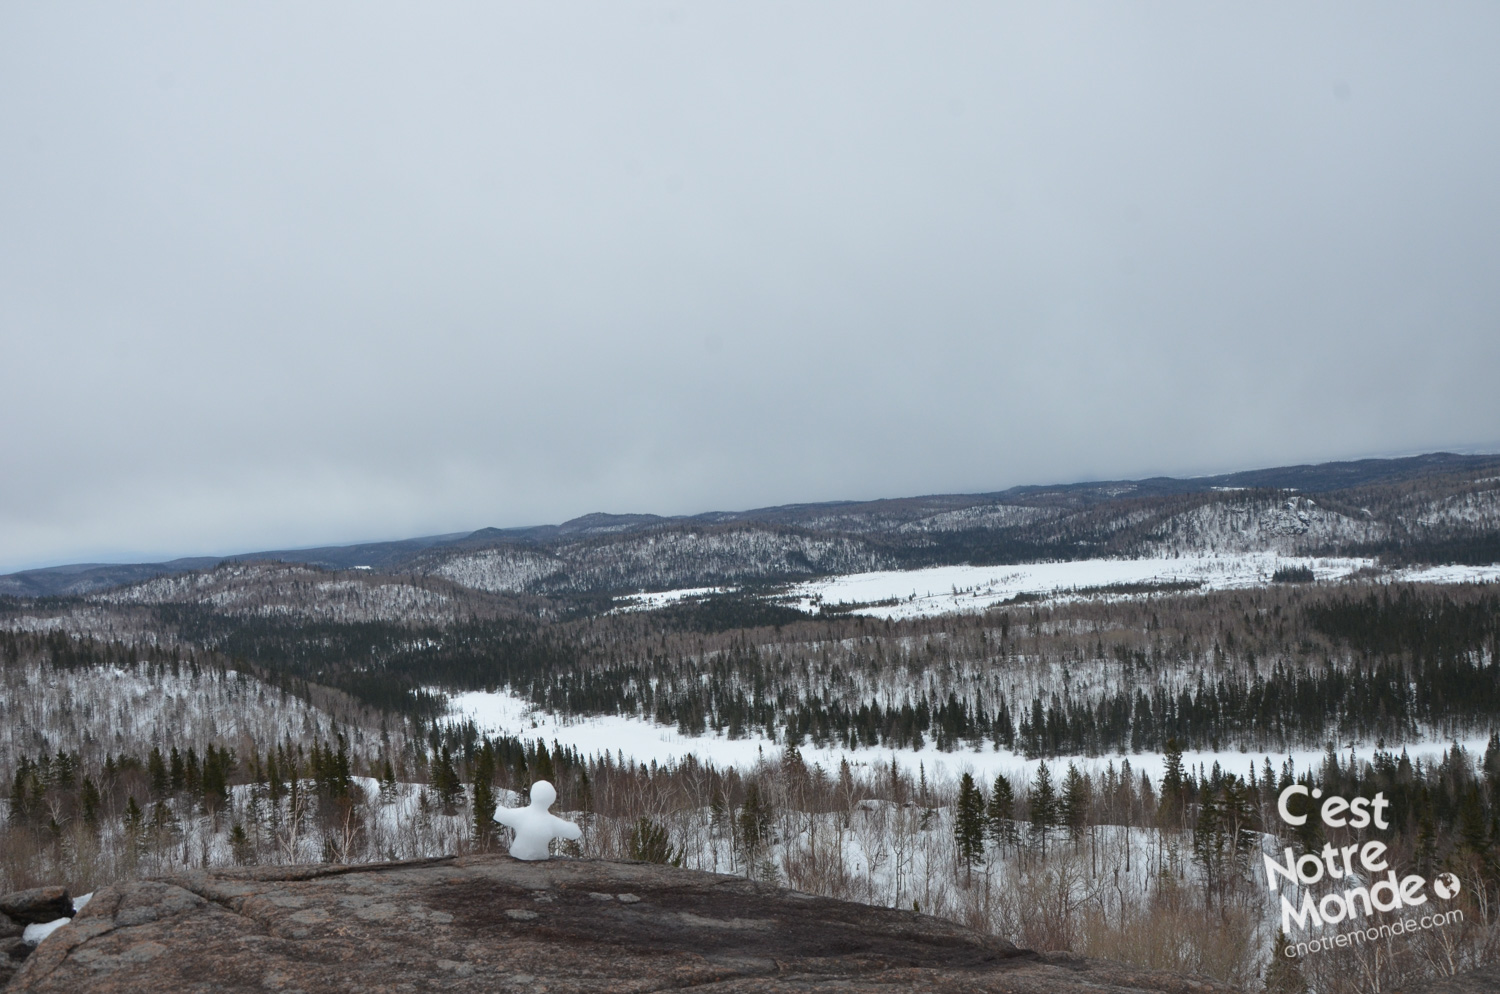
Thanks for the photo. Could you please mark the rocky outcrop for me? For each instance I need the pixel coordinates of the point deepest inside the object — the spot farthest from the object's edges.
(27, 907)
(1482, 981)
(36, 906)
(492, 923)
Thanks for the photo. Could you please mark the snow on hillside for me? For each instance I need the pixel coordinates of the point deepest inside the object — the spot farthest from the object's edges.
(271, 589)
(1285, 527)
(984, 516)
(964, 589)
(499, 571)
(1478, 509)
(664, 559)
(94, 710)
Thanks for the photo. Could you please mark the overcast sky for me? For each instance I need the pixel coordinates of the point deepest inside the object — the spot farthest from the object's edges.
(288, 274)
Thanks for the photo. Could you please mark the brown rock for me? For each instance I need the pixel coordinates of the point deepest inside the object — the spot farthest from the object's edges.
(1483, 981)
(492, 923)
(12, 952)
(9, 926)
(38, 905)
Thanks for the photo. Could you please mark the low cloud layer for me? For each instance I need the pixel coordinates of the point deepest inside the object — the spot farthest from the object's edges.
(274, 276)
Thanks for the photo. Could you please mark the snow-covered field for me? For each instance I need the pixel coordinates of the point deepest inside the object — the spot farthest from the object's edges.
(652, 601)
(645, 741)
(938, 590)
(952, 589)
(1449, 574)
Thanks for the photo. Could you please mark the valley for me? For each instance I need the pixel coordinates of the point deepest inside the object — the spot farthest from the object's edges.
(1120, 677)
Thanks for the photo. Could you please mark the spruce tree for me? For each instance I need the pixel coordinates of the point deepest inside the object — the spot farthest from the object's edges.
(446, 783)
(651, 843)
(1283, 976)
(1074, 807)
(156, 772)
(275, 786)
(754, 825)
(194, 773)
(388, 782)
(1001, 806)
(177, 777)
(1173, 781)
(1043, 802)
(19, 791)
(584, 789)
(89, 800)
(239, 845)
(968, 824)
(484, 796)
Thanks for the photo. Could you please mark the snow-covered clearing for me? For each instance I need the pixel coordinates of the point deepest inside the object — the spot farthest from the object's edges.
(645, 741)
(937, 590)
(650, 602)
(1449, 574)
(955, 589)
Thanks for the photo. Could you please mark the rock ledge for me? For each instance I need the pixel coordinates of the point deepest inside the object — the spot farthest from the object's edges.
(491, 923)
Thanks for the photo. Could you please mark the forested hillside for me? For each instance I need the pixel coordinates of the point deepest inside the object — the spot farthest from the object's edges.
(268, 710)
(1426, 509)
(1115, 670)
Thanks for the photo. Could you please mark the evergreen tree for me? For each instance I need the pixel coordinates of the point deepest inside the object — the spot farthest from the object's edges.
(193, 773)
(1309, 834)
(484, 796)
(1074, 807)
(998, 813)
(217, 766)
(89, 801)
(968, 824)
(1043, 803)
(275, 785)
(1173, 788)
(239, 845)
(651, 843)
(388, 782)
(542, 766)
(1283, 975)
(20, 791)
(1425, 850)
(754, 825)
(340, 775)
(156, 772)
(1209, 844)
(446, 783)
(584, 790)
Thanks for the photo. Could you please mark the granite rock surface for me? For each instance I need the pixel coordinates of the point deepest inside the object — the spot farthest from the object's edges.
(1482, 981)
(494, 924)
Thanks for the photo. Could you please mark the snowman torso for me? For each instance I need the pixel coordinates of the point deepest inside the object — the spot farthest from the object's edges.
(534, 826)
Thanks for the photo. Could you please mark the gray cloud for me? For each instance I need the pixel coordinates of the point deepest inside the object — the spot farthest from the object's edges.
(274, 275)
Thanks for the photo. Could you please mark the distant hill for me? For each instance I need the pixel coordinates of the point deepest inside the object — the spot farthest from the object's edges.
(1438, 507)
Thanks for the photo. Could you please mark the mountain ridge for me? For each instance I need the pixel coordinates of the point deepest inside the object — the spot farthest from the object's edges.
(1106, 517)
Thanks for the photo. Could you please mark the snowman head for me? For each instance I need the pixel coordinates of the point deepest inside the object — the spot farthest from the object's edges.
(543, 794)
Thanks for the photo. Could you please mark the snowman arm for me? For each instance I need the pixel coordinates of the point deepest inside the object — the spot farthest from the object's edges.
(566, 829)
(507, 816)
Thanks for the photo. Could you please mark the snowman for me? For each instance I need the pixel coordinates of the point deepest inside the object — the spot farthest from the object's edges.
(534, 825)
